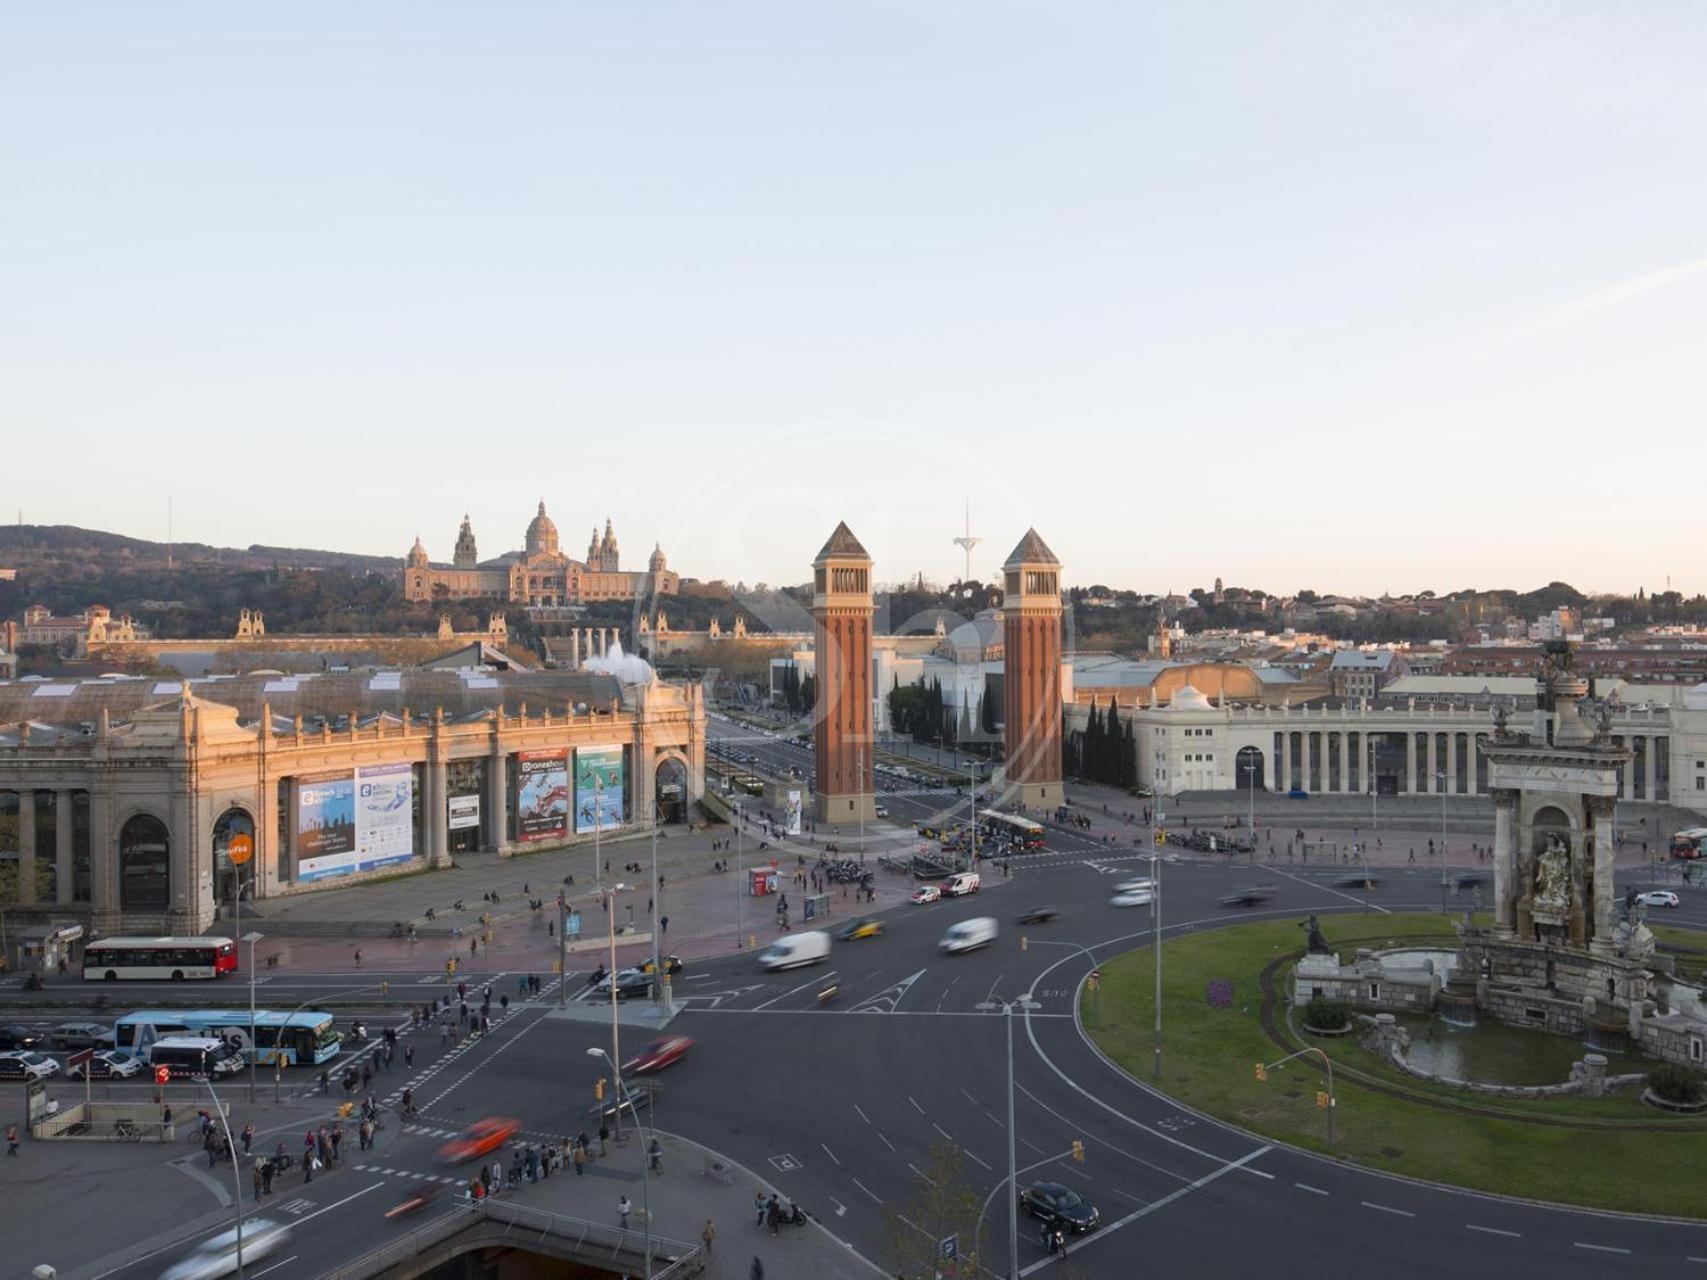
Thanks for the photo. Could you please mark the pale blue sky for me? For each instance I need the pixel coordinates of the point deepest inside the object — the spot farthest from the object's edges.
(1353, 296)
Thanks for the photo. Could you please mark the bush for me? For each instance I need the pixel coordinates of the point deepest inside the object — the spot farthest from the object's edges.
(1675, 1082)
(1327, 1015)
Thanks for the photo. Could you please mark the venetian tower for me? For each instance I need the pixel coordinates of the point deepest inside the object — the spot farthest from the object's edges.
(1031, 647)
(842, 736)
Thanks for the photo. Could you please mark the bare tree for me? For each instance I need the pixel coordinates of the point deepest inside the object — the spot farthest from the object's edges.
(942, 1205)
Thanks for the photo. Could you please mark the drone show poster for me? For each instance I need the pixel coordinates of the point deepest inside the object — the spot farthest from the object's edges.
(542, 795)
(598, 788)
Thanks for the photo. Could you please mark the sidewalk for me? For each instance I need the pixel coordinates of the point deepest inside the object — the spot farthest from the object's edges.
(708, 912)
(684, 1196)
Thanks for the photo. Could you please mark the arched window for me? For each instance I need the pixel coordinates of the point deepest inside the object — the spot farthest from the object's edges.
(145, 864)
(233, 821)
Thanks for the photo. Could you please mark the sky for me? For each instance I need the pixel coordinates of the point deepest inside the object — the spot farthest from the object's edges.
(1355, 296)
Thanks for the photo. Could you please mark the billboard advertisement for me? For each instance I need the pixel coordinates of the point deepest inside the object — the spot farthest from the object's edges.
(354, 820)
(598, 788)
(464, 812)
(542, 795)
(791, 812)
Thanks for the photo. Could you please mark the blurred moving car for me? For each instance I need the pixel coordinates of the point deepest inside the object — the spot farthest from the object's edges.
(1036, 915)
(925, 893)
(1133, 898)
(863, 928)
(108, 1064)
(1059, 1206)
(217, 1255)
(968, 935)
(1249, 896)
(1657, 898)
(672, 966)
(657, 1055)
(634, 1097)
(479, 1139)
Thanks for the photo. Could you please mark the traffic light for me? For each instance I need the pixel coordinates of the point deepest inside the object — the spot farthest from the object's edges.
(1322, 1099)
(1078, 1151)
(599, 1089)
(1161, 837)
(1262, 1073)
(162, 1074)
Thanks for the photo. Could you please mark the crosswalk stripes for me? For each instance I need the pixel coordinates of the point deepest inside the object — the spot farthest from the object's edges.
(403, 1173)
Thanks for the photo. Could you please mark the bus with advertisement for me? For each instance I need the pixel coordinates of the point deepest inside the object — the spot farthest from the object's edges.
(1686, 844)
(162, 959)
(304, 1037)
(1021, 833)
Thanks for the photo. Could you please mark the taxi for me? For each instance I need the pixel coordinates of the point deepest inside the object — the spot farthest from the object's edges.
(854, 930)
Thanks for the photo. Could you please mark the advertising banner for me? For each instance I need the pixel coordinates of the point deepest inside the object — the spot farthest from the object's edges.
(791, 812)
(384, 824)
(542, 795)
(464, 812)
(598, 788)
(354, 820)
(325, 825)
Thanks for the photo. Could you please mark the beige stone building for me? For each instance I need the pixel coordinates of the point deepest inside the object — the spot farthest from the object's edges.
(119, 797)
(540, 575)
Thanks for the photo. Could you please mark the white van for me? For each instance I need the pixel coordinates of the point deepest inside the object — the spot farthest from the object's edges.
(796, 949)
(969, 935)
(196, 1056)
(958, 886)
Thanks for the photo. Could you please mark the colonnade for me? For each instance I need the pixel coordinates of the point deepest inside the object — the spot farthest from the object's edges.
(592, 642)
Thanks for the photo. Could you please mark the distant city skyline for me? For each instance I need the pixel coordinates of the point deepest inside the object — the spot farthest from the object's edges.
(1358, 297)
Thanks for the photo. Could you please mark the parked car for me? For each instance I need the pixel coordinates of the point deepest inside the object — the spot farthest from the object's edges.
(1059, 1206)
(657, 1055)
(961, 884)
(1657, 898)
(925, 893)
(108, 1064)
(14, 1036)
(26, 1065)
(82, 1035)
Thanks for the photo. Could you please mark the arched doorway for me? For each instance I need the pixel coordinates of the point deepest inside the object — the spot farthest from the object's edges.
(145, 864)
(226, 875)
(671, 789)
(1248, 769)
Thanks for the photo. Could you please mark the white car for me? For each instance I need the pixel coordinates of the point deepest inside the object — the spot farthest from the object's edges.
(22, 1064)
(109, 1064)
(1657, 898)
(217, 1255)
(1133, 898)
(882, 812)
(1136, 886)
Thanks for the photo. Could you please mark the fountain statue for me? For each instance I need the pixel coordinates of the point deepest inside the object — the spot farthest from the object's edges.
(1316, 944)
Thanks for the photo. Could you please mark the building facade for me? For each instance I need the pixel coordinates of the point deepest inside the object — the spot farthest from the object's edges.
(540, 575)
(118, 799)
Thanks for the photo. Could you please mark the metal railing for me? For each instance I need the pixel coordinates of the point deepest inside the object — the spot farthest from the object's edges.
(73, 1125)
(517, 1220)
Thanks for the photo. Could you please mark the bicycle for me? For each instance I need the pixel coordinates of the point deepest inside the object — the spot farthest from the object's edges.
(126, 1131)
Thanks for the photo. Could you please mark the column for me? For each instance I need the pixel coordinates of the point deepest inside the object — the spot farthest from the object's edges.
(438, 845)
(1470, 764)
(1344, 783)
(497, 801)
(1434, 763)
(103, 856)
(1354, 780)
(1650, 768)
(1605, 857)
(1452, 761)
(62, 823)
(1307, 750)
(27, 845)
(574, 649)
(1410, 758)
(1285, 760)
(265, 868)
(1505, 858)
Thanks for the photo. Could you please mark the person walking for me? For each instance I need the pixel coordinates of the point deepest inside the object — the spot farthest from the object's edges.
(773, 1215)
(759, 1207)
(623, 1209)
(248, 1137)
(757, 1270)
(604, 1137)
(259, 1181)
(707, 1234)
(11, 1139)
(409, 1057)
(580, 1160)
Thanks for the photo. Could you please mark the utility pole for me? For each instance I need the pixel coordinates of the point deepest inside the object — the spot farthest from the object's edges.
(1007, 1007)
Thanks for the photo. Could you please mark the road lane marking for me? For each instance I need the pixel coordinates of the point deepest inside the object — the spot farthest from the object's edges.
(810, 982)
(970, 1098)
(972, 1155)
(944, 1132)
(274, 1267)
(1387, 1208)
(862, 1114)
(885, 1141)
(1305, 1186)
(831, 1154)
(1493, 1231)
(916, 1106)
(915, 1168)
(1599, 1248)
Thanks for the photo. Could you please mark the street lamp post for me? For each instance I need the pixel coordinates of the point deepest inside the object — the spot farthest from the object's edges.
(1440, 780)
(1156, 946)
(609, 895)
(645, 1158)
(236, 1179)
(1251, 784)
(254, 1049)
(1007, 1008)
(740, 878)
(1374, 786)
(598, 824)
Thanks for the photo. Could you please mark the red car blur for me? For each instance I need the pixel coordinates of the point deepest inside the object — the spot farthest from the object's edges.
(479, 1139)
(657, 1055)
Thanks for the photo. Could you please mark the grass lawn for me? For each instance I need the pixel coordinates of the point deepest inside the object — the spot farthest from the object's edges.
(1209, 1055)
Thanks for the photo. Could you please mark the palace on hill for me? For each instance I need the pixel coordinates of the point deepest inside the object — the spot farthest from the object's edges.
(540, 575)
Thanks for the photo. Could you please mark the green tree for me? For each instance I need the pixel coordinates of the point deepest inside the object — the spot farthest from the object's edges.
(942, 1204)
(809, 693)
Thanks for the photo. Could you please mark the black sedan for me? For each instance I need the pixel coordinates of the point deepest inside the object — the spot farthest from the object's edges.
(1249, 896)
(630, 983)
(634, 1097)
(1059, 1206)
(13, 1036)
(1036, 915)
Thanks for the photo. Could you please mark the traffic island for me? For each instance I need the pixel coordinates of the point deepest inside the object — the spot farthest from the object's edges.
(1225, 1015)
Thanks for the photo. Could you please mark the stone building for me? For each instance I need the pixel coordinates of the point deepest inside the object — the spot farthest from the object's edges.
(119, 797)
(540, 575)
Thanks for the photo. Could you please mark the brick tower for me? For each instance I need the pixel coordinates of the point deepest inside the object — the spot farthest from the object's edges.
(1031, 642)
(841, 635)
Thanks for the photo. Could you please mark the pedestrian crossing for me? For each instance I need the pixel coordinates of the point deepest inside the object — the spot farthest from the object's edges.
(409, 1174)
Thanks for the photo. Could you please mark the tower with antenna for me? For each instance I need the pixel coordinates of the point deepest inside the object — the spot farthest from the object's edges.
(966, 542)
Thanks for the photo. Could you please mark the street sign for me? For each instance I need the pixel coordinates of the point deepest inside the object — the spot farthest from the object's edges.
(240, 848)
(948, 1248)
(162, 1074)
(78, 1059)
(1096, 975)
(572, 926)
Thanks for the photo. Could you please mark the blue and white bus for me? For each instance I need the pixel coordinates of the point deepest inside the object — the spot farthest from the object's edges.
(303, 1038)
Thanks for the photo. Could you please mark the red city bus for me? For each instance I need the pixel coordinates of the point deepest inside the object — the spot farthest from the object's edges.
(175, 959)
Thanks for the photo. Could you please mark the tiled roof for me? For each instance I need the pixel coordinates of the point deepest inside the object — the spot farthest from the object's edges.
(1031, 550)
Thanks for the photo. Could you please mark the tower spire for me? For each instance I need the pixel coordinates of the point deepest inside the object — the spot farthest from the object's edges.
(966, 542)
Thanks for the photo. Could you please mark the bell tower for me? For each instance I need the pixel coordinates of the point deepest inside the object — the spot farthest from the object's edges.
(1031, 644)
(843, 742)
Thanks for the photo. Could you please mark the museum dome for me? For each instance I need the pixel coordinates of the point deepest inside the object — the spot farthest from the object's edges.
(417, 558)
(542, 534)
